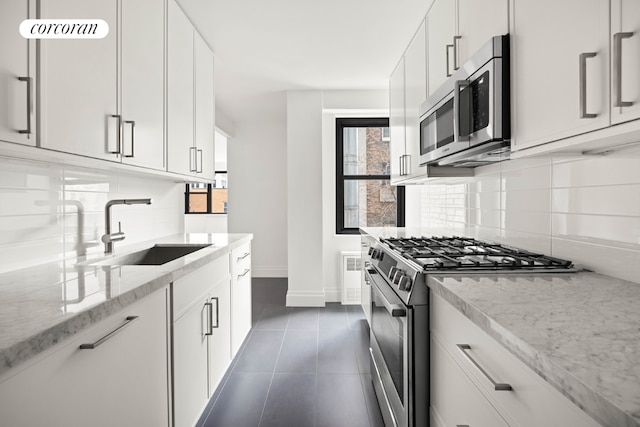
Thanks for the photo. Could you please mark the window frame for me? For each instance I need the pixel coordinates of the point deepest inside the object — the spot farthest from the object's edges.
(209, 193)
(341, 178)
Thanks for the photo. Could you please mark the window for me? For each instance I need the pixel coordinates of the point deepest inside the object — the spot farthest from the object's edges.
(207, 198)
(364, 194)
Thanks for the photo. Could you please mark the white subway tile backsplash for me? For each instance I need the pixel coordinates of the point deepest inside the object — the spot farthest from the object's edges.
(583, 209)
(602, 200)
(617, 231)
(49, 212)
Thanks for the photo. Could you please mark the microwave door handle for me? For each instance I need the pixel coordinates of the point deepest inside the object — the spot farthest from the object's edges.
(460, 85)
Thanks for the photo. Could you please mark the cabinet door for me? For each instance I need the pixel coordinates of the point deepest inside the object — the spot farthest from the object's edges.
(220, 339)
(625, 19)
(205, 109)
(240, 296)
(190, 353)
(180, 131)
(78, 91)
(454, 398)
(474, 32)
(441, 26)
(16, 63)
(546, 69)
(121, 382)
(143, 82)
(415, 89)
(396, 121)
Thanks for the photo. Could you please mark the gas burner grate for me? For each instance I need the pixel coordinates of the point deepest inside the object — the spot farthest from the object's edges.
(461, 253)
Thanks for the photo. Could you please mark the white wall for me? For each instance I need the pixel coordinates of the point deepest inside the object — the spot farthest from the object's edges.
(257, 164)
(205, 223)
(583, 209)
(49, 212)
(340, 104)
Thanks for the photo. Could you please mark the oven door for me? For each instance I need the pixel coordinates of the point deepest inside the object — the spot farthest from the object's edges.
(389, 351)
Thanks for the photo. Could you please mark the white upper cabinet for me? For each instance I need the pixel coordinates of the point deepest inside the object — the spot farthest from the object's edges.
(190, 127)
(473, 32)
(441, 25)
(205, 109)
(17, 75)
(456, 33)
(560, 69)
(78, 103)
(180, 63)
(104, 98)
(625, 91)
(143, 83)
(396, 121)
(415, 93)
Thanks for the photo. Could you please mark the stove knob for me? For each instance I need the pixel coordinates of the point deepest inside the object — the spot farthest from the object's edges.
(371, 250)
(405, 283)
(392, 272)
(396, 278)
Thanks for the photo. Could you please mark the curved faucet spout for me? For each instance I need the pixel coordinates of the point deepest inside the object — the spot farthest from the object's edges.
(109, 237)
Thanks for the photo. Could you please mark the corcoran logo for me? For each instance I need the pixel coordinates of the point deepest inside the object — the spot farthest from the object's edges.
(64, 29)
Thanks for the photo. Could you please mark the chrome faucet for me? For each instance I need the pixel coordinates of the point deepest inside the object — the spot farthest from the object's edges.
(110, 237)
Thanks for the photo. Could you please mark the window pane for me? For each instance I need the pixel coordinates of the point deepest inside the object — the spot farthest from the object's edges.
(369, 203)
(365, 151)
(219, 200)
(198, 202)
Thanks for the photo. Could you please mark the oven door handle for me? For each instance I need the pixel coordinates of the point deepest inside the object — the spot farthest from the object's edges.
(395, 310)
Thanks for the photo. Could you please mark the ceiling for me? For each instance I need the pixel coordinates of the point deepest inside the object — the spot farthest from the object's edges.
(266, 47)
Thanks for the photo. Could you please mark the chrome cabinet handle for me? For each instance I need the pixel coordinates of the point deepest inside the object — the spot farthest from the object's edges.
(192, 157)
(133, 132)
(118, 136)
(456, 66)
(91, 346)
(401, 165)
(460, 84)
(583, 85)
(29, 82)
(405, 165)
(244, 273)
(497, 386)
(217, 314)
(198, 154)
(617, 68)
(210, 325)
(246, 254)
(449, 46)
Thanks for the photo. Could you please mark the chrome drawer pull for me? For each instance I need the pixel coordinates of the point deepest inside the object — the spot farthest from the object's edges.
(91, 346)
(497, 386)
(217, 314)
(244, 273)
(617, 68)
(210, 313)
(583, 85)
(243, 256)
(29, 82)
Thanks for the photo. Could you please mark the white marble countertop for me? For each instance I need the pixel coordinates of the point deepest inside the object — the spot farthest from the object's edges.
(578, 331)
(43, 305)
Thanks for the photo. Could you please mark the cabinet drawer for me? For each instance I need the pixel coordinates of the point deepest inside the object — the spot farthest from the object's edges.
(241, 260)
(454, 399)
(531, 402)
(186, 290)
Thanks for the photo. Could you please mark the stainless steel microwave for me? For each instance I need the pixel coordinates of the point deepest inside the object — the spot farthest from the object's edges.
(466, 122)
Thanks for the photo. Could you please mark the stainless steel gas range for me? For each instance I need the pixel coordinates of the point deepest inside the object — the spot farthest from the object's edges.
(397, 269)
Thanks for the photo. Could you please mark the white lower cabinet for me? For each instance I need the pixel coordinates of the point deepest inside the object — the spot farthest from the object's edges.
(455, 401)
(123, 381)
(240, 296)
(532, 402)
(201, 338)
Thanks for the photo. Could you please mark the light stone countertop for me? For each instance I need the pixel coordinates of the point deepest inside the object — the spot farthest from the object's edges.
(578, 331)
(42, 306)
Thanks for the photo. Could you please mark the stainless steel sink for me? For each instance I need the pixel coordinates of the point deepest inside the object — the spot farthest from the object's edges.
(155, 255)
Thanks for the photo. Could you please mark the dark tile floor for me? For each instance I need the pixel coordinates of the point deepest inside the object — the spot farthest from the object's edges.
(299, 367)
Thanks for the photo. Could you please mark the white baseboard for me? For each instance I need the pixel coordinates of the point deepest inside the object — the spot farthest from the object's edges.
(305, 299)
(333, 295)
(271, 272)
